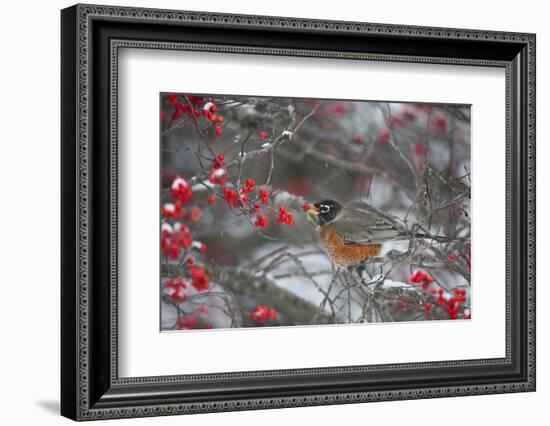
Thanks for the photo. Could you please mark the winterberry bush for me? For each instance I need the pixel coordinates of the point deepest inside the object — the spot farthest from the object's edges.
(238, 174)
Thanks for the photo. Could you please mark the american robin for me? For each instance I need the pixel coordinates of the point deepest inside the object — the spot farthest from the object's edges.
(351, 236)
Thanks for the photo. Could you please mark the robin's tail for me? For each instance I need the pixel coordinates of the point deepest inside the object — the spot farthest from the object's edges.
(439, 238)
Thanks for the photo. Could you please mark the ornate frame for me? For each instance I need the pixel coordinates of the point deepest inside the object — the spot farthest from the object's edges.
(91, 37)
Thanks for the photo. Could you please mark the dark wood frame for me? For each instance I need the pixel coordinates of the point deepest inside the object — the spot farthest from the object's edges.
(91, 37)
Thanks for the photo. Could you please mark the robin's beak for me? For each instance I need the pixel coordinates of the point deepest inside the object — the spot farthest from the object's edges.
(313, 210)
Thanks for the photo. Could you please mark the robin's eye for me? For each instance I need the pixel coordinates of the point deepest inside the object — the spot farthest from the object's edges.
(325, 209)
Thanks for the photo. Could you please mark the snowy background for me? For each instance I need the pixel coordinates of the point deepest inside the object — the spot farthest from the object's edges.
(231, 258)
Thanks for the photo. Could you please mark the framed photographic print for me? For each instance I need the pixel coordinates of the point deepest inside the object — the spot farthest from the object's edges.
(263, 212)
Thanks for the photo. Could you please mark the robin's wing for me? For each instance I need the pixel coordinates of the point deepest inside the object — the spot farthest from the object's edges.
(364, 227)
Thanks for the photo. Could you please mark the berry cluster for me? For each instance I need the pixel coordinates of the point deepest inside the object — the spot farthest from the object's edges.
(218, 176)
(263, 313)
(264, 196)
(192, 108)
(438, 297)
(209, 111)
(261, 222)
(175, 288)
(419, 277)
(199, 279)
(174, 239)
(219, 161)
(439, 123)
(181, 190)
(188, 322)
(178, 108)
(285, 216)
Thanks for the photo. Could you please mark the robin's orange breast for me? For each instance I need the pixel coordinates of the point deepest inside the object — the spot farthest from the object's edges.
(345, 254)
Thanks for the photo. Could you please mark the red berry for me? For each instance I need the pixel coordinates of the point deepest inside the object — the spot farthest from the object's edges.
(219, 161)
(384, 137)
(232, 197)
(264, 196)
(261, 222)
(199, 279)
(181, 190)
(285, 216)
(263, 313)
(218, 176)
(250, 185)
(439, 123)
(173, 99)
(195, 214)
(420, 150)
(187, 323)
(176, 289)
(339, 109)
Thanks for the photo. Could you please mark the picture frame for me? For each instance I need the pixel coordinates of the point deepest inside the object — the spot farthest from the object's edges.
(91, 387)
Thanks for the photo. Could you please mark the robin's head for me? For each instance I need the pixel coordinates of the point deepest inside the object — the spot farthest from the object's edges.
(326, 211)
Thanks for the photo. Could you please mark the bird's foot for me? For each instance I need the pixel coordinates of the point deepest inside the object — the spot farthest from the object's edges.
(362, 273)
